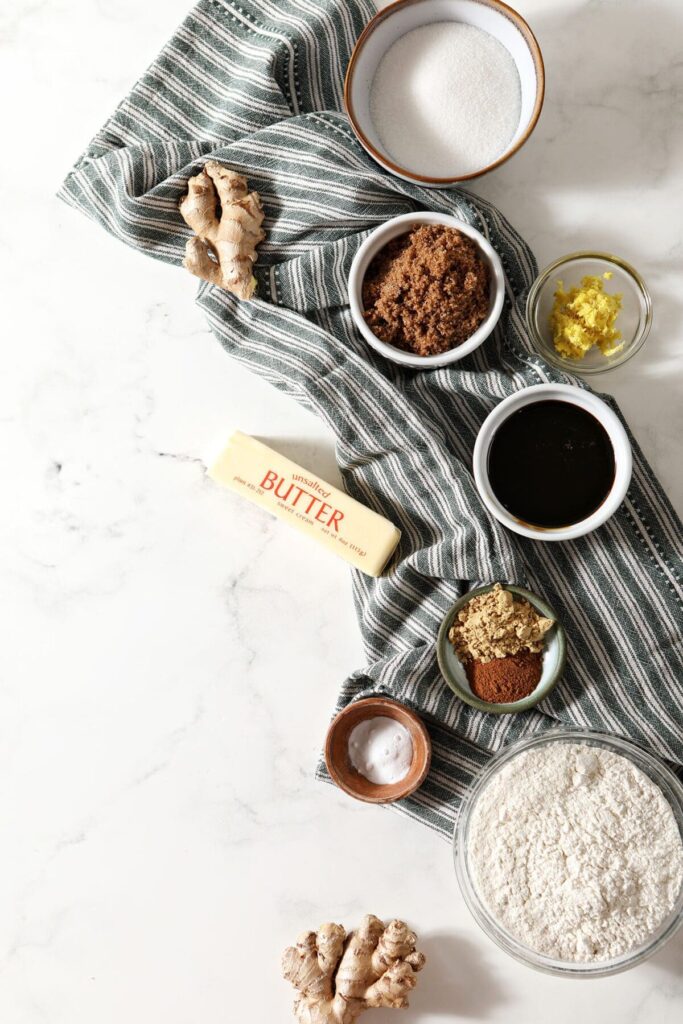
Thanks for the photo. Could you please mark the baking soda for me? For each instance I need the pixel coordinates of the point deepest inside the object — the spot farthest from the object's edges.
(446, 100)
(381, 750)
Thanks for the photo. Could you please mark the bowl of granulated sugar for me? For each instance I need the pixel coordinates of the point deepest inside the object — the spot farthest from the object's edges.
(440, 91)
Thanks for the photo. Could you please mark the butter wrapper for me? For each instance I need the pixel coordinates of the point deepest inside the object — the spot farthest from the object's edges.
(298, 497)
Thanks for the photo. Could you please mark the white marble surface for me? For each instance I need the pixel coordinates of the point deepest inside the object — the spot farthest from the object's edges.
(170, 655)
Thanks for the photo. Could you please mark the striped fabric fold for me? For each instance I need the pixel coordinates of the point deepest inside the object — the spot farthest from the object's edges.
(258, 85)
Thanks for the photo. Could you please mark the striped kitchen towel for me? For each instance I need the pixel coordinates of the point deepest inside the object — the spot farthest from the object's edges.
(258, 85)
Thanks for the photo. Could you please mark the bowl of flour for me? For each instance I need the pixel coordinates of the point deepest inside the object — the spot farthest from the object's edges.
(569, 853)
(440, 91)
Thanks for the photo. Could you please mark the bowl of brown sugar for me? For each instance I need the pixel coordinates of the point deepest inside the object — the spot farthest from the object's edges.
(501, 649)
(426, 289)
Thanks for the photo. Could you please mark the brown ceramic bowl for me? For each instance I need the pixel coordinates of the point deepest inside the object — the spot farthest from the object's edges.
(389, 24)
(346, 776)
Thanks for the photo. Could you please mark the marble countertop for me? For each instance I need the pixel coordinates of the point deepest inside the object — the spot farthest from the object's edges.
(171, 655)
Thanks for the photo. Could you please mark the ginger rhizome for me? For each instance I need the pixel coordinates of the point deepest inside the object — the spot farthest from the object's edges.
(226, 219)
(338, 976)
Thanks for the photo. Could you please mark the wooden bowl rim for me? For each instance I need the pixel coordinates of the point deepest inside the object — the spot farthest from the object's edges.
(388, 708)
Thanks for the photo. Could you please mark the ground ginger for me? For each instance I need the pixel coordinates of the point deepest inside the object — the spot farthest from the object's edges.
(496, 625)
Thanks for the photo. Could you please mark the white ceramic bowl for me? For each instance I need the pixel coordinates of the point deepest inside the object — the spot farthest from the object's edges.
(401, 226)
(591, 403)
(494, 17)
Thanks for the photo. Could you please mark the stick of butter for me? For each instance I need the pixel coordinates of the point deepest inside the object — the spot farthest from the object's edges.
(338, 522)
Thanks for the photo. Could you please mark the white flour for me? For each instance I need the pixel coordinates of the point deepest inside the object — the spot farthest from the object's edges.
(575, 852)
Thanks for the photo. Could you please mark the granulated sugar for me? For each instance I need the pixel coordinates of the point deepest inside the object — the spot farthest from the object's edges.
(576, 852)
(446, 100)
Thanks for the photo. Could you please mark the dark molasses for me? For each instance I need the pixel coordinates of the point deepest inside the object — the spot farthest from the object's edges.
(551, 464)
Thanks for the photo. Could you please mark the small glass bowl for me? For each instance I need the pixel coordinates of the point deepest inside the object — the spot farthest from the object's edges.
(634, 320)
(650, 766)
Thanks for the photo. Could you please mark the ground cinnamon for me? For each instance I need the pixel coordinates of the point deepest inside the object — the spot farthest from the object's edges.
(505, 680)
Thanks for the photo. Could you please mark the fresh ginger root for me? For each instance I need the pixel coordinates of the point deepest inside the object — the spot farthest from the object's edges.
(224, 249)
(339, 976)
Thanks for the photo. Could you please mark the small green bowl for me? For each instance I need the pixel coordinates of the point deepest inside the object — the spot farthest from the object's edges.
(554, 656)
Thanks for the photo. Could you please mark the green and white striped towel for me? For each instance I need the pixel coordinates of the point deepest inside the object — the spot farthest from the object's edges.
(258, 85)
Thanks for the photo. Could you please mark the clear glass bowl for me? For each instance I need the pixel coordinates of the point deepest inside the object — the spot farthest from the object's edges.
(634, 320)
(650, 766)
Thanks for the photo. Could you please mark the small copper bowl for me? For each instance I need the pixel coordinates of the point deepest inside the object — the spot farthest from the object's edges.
(346, 776)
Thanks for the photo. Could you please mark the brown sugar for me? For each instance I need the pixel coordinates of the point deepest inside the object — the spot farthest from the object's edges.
(427, 291)
(505, 680)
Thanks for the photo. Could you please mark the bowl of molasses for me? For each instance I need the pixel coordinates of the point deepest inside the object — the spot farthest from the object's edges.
(552, 462)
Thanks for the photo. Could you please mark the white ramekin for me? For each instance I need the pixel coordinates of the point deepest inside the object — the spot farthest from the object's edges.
(401, 226)
(585, 400)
